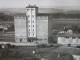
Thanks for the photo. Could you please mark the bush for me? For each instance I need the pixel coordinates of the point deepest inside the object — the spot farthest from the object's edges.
(78, 46)
(69, 45)
(9, 45)
(13, 46)
(0, 46)
(41, 46)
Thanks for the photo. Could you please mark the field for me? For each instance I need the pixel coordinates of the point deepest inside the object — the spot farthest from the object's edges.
(24, 52)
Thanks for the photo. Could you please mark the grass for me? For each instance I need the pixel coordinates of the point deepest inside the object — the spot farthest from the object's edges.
(23, 52)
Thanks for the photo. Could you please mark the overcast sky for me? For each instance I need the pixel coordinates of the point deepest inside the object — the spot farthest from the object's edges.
(39, 3)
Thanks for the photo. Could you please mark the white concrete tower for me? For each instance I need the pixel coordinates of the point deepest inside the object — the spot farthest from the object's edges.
(31, 13)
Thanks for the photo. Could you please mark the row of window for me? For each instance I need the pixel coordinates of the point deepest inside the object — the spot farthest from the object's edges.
(72, 37)
(30, 29)
(29, 9)
(32, 21)
(30, 34)
(29, 16)
(32, 25)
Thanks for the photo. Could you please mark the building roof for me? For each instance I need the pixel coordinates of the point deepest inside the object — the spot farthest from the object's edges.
(65, 15)
(32, 6)
(69, 35)
(20, 14)
(39, 14)
(44, 14)
(56, 13)
(32, 38)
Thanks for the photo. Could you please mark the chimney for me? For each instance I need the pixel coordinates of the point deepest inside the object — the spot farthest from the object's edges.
(35, 5)
(29, 4)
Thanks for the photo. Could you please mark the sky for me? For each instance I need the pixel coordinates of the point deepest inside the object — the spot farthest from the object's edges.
(39, 3)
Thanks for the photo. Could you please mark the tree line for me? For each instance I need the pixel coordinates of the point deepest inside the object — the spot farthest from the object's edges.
(5, 17)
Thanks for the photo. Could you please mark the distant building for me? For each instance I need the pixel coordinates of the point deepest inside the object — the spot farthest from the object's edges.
(36, 24)
(69, 38)
(33, 26)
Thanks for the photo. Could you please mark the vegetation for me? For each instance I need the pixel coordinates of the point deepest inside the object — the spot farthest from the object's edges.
(74, 28)
(62, 15)
(4, 17)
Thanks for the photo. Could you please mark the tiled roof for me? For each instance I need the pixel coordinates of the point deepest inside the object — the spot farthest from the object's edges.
(44, 14)
(20, 14)
(31, 6)
(56, 13)
(69, 35)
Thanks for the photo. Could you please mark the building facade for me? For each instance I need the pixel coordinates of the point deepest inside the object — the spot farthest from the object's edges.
(33, 26)
(20, 28)
(69, 39)
(44, 28)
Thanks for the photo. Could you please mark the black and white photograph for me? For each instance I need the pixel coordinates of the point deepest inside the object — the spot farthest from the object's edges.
(39, 29)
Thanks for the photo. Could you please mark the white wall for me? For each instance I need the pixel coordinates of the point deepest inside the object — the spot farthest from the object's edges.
(64, 40)
(42, 29)
(61, 40)
(76, 57)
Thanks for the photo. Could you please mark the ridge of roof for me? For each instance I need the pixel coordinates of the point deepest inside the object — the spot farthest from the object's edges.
(20, 14)
(69, 35)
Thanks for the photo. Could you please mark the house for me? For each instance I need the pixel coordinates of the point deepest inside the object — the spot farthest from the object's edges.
(69, 39)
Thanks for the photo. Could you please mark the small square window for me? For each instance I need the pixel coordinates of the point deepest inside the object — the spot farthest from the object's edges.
(33, 25)
(27, 9)
(33, 30)
(29, 34)
(20, 40)
(28, 15)
(33, 34)
(66, 37)
(29, 29)
(33, 21)
(32, 9)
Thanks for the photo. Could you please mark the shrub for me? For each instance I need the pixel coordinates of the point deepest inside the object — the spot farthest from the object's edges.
(9, 45)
